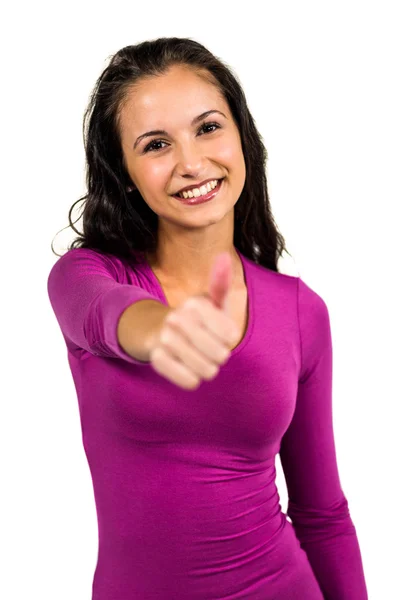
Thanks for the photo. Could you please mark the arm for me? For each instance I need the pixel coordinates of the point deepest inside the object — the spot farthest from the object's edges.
(317, 504)
(144, 318)
(95, 312)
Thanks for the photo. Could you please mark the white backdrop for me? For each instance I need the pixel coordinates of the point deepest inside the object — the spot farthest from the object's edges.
(322, 82)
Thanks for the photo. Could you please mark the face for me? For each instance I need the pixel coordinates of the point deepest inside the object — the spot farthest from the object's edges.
(187, 153)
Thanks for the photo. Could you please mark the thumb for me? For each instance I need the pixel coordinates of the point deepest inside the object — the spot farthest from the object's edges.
(221, 280)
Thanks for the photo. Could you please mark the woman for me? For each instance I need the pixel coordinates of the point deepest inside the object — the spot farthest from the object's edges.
(182, 455)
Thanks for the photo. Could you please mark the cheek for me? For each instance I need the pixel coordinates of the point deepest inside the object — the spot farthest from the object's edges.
(230, 152)
(154, 175)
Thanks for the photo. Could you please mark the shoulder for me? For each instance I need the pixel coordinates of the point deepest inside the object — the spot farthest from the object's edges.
(92, 261)
(314, 327)
(312, 308)
(82, 260)
(78, 264)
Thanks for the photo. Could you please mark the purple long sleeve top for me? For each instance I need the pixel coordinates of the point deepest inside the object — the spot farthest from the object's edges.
(184, 480)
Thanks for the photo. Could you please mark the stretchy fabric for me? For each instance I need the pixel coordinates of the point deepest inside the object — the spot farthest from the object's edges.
(184, 480)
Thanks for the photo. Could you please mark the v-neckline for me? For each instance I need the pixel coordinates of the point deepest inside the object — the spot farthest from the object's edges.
(250, 299)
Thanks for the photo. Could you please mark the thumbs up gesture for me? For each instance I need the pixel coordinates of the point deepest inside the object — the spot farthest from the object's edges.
(195, 338)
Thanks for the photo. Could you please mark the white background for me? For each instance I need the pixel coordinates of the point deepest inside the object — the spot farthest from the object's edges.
(322, 82)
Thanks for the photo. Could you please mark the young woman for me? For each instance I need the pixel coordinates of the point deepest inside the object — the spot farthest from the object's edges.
(195, 360)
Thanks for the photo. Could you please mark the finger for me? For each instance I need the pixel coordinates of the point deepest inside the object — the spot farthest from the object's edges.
(210, 318)
(173, 370)
(194, 346)
(221, 280)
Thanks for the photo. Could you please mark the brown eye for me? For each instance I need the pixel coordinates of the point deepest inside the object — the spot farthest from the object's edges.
(150, 147)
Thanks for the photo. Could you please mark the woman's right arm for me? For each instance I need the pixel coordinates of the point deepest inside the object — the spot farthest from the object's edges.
(97, 313)
(145, 318)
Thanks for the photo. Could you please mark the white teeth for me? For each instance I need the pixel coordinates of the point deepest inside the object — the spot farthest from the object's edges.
(194, 193)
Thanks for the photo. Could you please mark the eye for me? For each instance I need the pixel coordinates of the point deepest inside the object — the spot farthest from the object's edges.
(150, 147)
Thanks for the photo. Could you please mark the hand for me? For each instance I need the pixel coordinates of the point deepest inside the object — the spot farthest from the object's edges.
(194, 338)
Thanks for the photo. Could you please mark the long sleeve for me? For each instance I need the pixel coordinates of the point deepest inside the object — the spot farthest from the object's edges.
(88, 301)
(317, 504)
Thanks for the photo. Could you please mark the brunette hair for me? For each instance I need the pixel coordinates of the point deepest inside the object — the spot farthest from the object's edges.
(118, 221)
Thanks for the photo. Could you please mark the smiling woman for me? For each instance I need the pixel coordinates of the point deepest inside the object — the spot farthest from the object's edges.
(184, 480)
(197, 146)
(153, 142)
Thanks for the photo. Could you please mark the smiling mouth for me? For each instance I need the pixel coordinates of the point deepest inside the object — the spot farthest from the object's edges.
(202, 198)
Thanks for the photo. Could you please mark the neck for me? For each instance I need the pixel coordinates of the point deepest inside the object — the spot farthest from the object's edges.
(192, 272)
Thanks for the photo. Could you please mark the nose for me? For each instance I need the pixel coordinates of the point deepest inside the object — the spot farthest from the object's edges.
(189, 157)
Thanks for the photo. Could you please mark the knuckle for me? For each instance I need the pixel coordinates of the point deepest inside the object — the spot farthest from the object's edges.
(190, 380)
(234, 335)
(156, 354)
(195, 384)
(211, 372)
(158, 360)
(165, 336)
(190, 302)
(223, 355)
(189, 385)
(193, 303)
(171, 318)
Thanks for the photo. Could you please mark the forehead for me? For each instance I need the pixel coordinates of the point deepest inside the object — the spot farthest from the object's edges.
(172, 98)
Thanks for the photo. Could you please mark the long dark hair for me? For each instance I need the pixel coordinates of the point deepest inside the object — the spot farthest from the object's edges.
(119, 222)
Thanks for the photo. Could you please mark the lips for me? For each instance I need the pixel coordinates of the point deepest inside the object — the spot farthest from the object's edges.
(200, 199)
(192, 187)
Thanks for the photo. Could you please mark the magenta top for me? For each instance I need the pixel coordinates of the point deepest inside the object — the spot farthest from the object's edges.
(184, 480)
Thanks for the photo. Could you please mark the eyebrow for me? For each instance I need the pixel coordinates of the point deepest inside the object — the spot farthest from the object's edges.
(163, 132)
